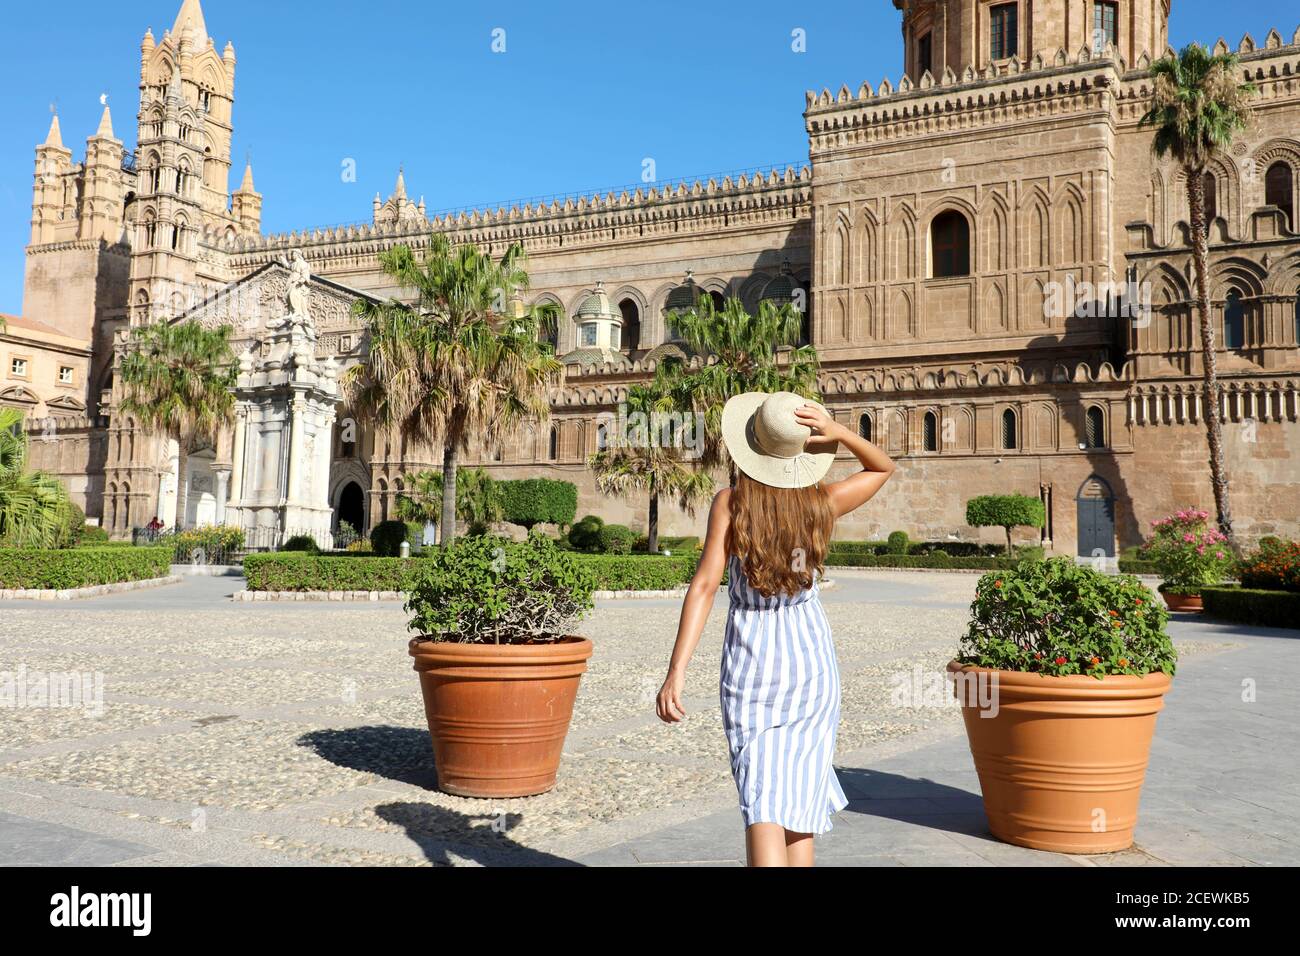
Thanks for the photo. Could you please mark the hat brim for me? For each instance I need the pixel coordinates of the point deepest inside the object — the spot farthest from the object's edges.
(738, 436)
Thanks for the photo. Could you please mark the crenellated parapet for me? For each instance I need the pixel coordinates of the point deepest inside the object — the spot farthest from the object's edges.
(672, 209)
(1001, 92)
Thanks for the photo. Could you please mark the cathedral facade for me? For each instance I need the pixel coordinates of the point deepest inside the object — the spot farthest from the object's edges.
(995, 270)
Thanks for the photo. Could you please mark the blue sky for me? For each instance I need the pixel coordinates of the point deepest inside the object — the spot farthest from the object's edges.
(583, 94)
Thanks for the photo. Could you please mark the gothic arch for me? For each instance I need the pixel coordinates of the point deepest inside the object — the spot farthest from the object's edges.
(902, 244)
(995, 308)
(868, 248)
(841, 252)
(992, 236)
(1035, 226)
(901, 322)
(1244, 274)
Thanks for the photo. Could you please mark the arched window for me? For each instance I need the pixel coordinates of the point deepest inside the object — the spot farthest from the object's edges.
(864, 426)
(602, 438)
(553, 446)
(1094, 428)
(1234, 321)
(1210, 188)
(631, 340)
(719, 301)
(949, 245)
(1279, 190)
(1009, 429)
(930, 432)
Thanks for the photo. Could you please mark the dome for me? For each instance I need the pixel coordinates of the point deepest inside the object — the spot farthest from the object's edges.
(596, 307)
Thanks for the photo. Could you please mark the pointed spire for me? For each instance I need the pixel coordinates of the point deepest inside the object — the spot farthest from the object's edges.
(400, 191)
(247, 185)
(191, 15)
(55, 137)
(105, 130)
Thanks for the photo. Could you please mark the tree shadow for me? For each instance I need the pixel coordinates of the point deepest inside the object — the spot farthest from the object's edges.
(404, 754)
(918, 801)
(484, 838)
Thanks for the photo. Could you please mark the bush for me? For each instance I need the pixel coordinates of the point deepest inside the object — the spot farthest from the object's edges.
(1274, 567)
(93, 535)
(301, 542)
(616, 539)
(1256, 606)
(1031, 552)
(487, 590)
(213, 543)
(73, 527)
(296, 571)
(1057, 617)
(585, 535)
(46, 569)
(1188, 553)
(387, 537)
(533, 501)
(854, 560)
(1127, 566)
(897, 543)
(641, 572)
(1006, 512)
(857, 547)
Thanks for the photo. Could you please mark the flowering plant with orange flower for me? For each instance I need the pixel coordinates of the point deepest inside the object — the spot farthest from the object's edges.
(1274, 567)
(1188, 553)
(1058, 617)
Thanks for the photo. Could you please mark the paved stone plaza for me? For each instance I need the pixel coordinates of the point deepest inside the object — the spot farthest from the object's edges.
(293, 733)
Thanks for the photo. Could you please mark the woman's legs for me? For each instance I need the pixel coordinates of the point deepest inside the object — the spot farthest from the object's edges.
(765, 845)
(770, 844)
(798, 848)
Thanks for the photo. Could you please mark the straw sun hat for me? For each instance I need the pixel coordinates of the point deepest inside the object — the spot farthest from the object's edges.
(766, 441)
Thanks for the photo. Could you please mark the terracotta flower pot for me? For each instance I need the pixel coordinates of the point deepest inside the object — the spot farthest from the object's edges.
(1062, 760)
(498, 713)
(1183, 602)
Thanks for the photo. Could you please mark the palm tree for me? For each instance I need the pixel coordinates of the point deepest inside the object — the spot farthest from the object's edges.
(644, 465)
(177, 380)
(754, 353)
(1198, 107)
(34, 506)
(478, 498)
(457, 365)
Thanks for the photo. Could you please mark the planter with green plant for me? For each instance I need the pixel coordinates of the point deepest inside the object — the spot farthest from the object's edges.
(498, 665)
(1061, 674)
(1188, 555)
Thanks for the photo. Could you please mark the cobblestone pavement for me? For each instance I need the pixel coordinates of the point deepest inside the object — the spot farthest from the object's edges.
(292, 734)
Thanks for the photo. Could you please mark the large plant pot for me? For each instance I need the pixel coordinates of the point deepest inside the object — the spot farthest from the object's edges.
(498, 713)
(1183, 602)
(1061, 762)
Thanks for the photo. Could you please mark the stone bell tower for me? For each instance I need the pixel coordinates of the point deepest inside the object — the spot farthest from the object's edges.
(940, 35)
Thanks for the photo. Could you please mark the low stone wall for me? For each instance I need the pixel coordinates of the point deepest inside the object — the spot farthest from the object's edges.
(74, 594)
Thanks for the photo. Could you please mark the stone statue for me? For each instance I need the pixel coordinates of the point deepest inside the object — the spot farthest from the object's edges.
(299, 279)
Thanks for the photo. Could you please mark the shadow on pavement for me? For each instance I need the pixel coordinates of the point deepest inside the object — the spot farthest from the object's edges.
(404, 754)
(914, 800)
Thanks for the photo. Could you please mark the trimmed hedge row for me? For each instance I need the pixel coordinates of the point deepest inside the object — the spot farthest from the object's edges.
(1136, 566)
(306, 572)
(1253, 606)
(35, 568)
(289, 571)
(622, 572)
(852, 560)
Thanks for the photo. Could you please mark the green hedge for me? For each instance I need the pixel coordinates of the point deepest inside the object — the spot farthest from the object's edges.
(30, 568)
(851, 560)
(1253, 606)
(1136, 566)
(308, 572)
(625, 572)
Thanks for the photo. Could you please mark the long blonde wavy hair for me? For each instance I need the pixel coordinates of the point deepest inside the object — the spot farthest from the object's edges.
(780, 535)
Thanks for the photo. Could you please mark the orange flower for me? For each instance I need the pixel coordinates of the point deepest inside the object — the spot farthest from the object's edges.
(1095, 661)
(997, 584)
(1138, 600)
(1113, 613)
(1123, 662)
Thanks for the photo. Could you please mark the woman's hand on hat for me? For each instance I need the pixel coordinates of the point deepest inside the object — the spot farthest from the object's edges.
(823, 427)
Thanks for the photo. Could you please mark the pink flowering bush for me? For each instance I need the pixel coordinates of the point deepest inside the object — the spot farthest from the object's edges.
(1188, 553)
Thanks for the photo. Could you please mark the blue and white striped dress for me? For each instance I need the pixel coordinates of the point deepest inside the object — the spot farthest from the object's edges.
(780, 694)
